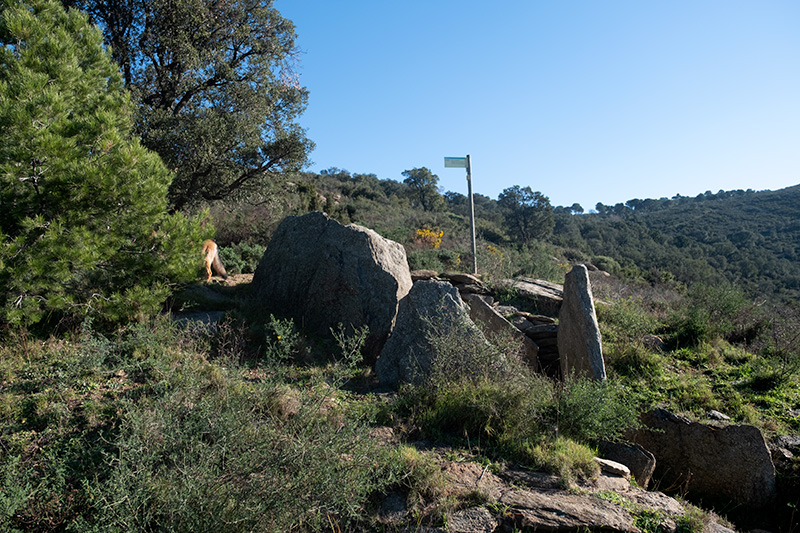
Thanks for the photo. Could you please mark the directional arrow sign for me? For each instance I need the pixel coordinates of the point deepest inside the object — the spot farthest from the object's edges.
(455, 162)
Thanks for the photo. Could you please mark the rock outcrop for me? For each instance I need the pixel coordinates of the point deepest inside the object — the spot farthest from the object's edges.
(323, 273)
(493, 323)
(408, 355)
(542, 296)
(710, 462)
(562, 511)
(580, 348)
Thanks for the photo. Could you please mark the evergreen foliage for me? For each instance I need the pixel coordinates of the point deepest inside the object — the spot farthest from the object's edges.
(744, 237)
(84, 229)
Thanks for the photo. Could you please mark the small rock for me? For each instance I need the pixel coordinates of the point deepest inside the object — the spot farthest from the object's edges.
(393, 509)
(781, 455)
(421, 275)
(613, 467)
(471, 288)
(507, 310)
(653, 342)
(608, 482)
(789, 441)
(462, 278)
(716, 415)
(472, 520)
(639, 461)
(384, 435)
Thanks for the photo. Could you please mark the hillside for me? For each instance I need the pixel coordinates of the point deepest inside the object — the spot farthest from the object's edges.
(746, 238)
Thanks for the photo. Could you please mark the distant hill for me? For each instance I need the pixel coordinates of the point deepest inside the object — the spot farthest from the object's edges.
(746, 237)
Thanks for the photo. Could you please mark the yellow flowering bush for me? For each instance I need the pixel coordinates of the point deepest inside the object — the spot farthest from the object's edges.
(429, 237)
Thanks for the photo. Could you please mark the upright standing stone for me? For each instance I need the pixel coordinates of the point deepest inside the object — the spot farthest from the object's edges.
(579, 346)
(323, 273)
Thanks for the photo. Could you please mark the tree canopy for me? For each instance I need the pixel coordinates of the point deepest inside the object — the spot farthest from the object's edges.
(84, 228)
(424, 186)
(218, 97)
(527, 213)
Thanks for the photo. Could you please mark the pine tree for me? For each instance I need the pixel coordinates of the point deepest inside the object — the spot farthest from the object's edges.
(84, 228)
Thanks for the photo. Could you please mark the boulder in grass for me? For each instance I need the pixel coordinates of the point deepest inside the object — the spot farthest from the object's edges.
(710, 461)
(323, 274)
(430, 309)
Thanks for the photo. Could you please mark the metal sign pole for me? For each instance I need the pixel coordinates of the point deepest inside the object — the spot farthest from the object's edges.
(472, 218)
(464, 162)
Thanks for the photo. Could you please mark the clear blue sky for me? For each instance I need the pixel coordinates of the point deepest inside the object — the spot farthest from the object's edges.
(585, 101)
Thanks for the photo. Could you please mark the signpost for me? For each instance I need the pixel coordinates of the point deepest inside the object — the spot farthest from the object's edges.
(464, 162)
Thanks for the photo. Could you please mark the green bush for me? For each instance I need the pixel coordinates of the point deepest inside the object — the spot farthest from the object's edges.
(717, 311)
(588, 410)
(480, 396)
(625, 321)
(607, 264)
(436, 260)
(140, 432)
(242, 257)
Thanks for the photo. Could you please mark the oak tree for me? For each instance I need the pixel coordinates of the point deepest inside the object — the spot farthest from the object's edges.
(424, 188)
(217, 90)
(528, 214)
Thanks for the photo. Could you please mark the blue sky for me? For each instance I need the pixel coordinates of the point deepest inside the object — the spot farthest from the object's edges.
(585, 101)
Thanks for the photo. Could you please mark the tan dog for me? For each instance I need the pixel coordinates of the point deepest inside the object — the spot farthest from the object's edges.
(211, 258)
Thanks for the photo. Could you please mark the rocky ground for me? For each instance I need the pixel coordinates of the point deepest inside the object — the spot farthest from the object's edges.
(511, 498)
(485, 496)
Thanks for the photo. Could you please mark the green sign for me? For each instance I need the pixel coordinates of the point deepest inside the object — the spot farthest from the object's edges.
(455, 162)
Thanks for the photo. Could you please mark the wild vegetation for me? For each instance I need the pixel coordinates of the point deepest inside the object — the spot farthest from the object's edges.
(115, 418)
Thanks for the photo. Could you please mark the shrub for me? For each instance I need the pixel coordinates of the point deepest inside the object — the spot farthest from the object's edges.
(565, 457)
(242, 257)
(437, 260)
(427, 237)
(587, 410)
(717, 311)
(482, 397)
(212, 455)
(625, 321)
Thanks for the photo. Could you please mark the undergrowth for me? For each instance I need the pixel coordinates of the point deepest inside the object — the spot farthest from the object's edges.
(144, 432)
(489, 401)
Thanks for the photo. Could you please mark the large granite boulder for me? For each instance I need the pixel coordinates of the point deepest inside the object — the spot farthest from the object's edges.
(323, 273)
(580, 348)
(430, 307)
(711, 462)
